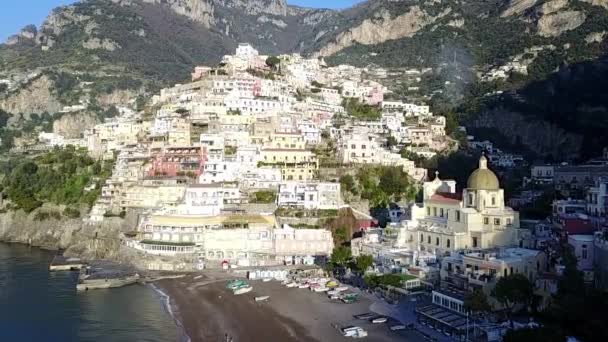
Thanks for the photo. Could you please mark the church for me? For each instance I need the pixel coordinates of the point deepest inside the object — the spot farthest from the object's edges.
(447, 221)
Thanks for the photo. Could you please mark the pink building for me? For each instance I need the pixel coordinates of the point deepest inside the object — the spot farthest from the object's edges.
(172, 161)
(200, 72)
(375, 96)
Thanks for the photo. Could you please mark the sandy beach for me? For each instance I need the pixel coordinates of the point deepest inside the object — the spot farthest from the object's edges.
(209, 312)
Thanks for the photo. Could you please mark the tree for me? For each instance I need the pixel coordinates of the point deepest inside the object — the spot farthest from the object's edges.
(391, 141)
(534, 335)
(340, 236)
(514, 289)
(341, 255)
(477, 302)
(273, 62)
(364, 262)
(347, 183)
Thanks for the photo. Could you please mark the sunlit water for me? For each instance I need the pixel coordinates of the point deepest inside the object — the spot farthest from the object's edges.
(37, 305)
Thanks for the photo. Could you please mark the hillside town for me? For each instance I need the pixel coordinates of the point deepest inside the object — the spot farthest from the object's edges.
(250, 165)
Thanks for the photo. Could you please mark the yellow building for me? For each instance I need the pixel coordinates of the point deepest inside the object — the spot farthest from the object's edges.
(448, 221)
(295, 164)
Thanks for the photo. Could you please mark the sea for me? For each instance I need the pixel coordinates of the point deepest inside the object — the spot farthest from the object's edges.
(38, 305)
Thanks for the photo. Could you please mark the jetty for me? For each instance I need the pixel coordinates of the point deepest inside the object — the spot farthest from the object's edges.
(106, 283)
(61, 263)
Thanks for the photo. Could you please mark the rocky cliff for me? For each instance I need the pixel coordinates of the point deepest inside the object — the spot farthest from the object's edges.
(73, 125)
(72, 235)
(35, 97)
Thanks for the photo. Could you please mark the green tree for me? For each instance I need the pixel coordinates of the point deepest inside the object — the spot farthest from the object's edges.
(340, 236)
(534, 335)
(514, 289)
(477, 302)
(341, 255)
(347, 183)
(391, 141)
(364, 262)
(273, 62)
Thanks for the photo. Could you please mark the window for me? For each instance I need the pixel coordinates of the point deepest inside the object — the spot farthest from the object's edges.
(457, 215)
(497, 222)
(493, 200)
(428, 211)
(470, 199)
(435, 212)
(584, 252)
(436, 241)
(508, 221)
(486, 220)
(474, 242)
(511, 270)
(447, 243)
(421, 238)
(428, 239)
(441, 212)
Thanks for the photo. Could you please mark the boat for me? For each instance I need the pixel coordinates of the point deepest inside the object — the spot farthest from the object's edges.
(266, 280)
(261, 298)
(332, 284)
(379, 320)
(236, 284)
(243, 290)
(303, 286)
(398, 327)
(341, 288)
(291, 284)
(320, 289)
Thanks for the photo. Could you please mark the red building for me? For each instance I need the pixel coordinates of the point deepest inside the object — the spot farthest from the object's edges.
(174, 161)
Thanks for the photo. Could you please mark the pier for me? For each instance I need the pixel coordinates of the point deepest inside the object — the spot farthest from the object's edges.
(61, 263)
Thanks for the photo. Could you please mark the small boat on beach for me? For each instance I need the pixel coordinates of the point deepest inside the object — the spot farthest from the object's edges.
(292, 284)
(261, 298)
(303, 286)
(236, 284)
(243, 290)
(266, 280)
(320, 289)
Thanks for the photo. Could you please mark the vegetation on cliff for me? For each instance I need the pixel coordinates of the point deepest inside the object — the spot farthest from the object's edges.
(63, 176)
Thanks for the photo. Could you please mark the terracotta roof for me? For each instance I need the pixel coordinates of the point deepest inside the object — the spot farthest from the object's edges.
(447, 197)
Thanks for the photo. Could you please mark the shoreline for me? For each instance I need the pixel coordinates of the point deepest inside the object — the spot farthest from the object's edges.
(166, 300)
(208, 312)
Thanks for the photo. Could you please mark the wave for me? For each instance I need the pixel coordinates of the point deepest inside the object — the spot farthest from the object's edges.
(183, 336)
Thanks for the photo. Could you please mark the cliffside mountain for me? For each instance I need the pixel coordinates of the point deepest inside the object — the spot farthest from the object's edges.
(104, 49)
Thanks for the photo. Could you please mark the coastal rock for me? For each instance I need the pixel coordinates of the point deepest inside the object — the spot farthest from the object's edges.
(73, 125)
(200, 11)
(596, 37)
(517, 7)
(97, 43)
(278, 23)
(28, 33)
(602, 3)
(553, 25)
(34, 97)
(382, 27)
(255, 7)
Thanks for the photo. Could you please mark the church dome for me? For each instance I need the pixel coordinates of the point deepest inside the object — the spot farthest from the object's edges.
(483, 178)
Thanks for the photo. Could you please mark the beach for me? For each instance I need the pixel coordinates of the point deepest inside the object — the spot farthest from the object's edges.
(210, 312)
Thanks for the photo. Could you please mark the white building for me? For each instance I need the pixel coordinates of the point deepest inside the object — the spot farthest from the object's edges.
(583, 250)
(309, 195)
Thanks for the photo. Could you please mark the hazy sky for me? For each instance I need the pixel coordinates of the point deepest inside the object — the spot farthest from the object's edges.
(15, 14)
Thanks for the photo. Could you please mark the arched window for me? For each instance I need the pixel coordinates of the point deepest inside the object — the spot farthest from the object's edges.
(428, 239)
(421, 237)
(493, 200)
(447, 243)
(437, 241)
(470, 199)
